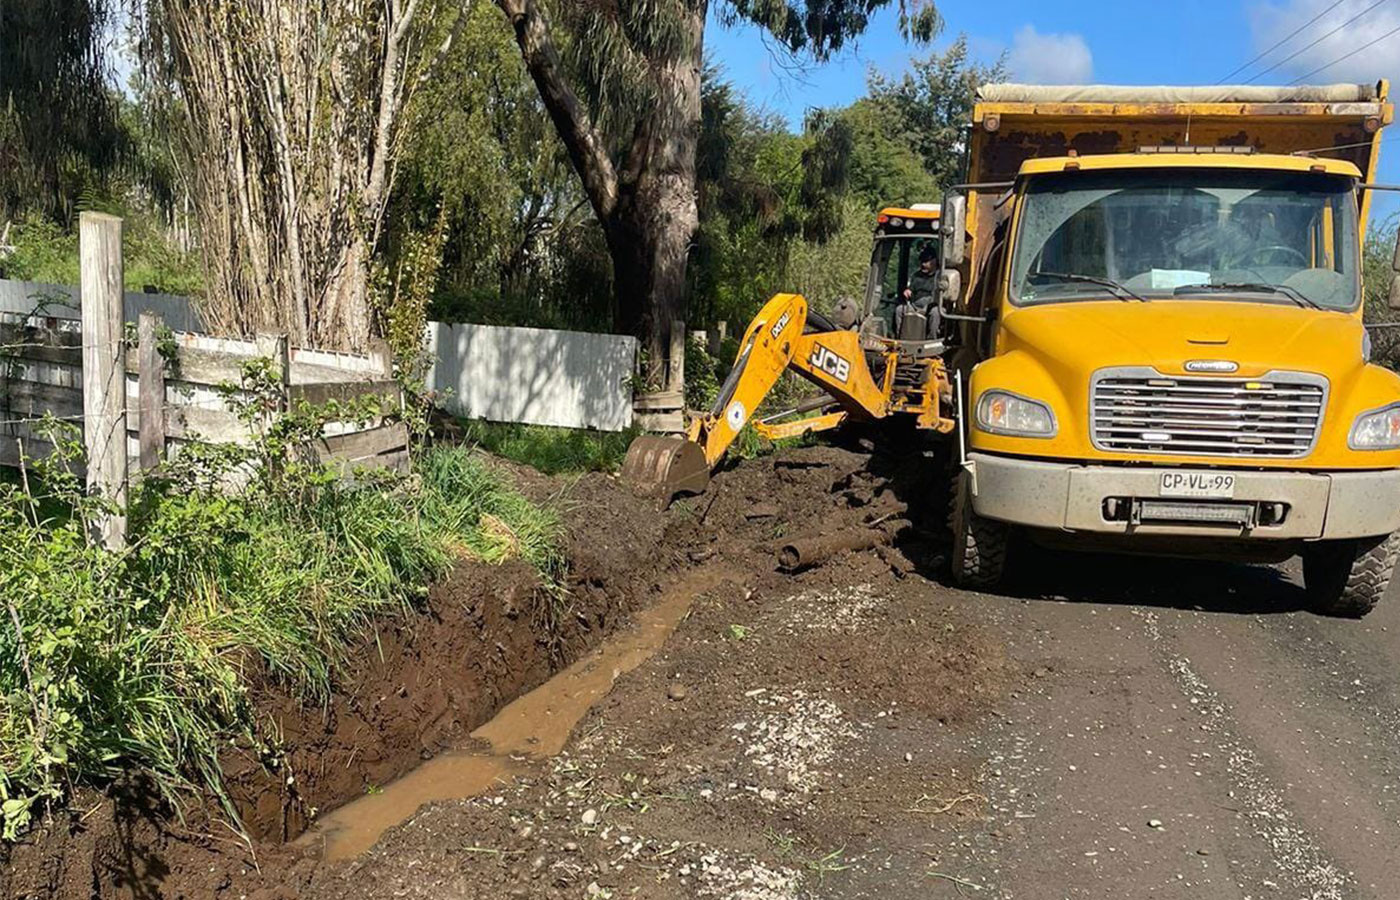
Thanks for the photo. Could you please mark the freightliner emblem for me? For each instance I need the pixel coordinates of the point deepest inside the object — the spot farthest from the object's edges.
(1212, 365)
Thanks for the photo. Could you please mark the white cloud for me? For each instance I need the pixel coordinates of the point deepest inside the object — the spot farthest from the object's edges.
(1272, 22)
(1050, 58)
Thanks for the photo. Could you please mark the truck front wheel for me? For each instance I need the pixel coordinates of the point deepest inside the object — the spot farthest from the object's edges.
(978, 555)
(1349, 577)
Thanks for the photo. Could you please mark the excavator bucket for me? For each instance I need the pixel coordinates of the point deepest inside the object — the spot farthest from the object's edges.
(664, 466)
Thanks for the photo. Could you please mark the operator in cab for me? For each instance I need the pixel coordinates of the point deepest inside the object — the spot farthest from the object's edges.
(921, 292)
(923, 284)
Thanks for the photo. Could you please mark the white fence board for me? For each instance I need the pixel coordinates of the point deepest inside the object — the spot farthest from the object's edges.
(533, 375)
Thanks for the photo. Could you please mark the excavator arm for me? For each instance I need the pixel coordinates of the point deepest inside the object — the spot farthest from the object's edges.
(784, 335)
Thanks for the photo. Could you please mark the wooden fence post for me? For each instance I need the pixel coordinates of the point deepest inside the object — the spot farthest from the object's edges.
(152, 380)
(104, 368)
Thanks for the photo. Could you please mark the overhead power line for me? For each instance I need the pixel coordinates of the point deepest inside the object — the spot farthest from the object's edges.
(1301, 78)
(1291, 35)
(1304, 49)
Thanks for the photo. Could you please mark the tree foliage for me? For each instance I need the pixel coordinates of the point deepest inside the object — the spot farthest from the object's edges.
(930, 107)
(276, 177)
(479, 146)
(621, 81)
(60, 134)
(1377, 275)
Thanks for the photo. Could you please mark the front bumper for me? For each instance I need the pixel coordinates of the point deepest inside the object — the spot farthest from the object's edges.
(1071, 497)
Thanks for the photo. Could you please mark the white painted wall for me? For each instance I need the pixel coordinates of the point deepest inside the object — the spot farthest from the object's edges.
(533, 375)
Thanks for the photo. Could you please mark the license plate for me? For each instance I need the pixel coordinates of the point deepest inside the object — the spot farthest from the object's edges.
(1197, 484)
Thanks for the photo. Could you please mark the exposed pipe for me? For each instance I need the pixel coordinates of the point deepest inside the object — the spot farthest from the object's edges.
(810, 551)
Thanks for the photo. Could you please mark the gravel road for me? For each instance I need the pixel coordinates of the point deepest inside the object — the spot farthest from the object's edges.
(1191, 731)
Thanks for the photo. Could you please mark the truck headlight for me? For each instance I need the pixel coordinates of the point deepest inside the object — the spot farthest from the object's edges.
(1378, 429)
(1002, 412)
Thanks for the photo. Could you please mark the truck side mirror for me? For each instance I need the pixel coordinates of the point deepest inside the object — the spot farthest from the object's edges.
(952, 224)
(949, 288)
(1393, 301)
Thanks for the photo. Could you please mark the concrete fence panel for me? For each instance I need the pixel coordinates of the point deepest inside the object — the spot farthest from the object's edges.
(533, 375)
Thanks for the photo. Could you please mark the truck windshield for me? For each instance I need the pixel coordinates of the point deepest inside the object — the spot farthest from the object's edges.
(1255, 236)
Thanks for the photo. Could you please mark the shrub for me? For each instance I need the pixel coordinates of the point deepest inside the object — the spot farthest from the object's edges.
(142, 659)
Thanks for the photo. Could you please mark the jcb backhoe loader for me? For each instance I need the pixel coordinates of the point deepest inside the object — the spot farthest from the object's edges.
(882, 361)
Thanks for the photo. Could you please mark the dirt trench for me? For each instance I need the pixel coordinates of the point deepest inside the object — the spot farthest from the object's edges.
(414, 689)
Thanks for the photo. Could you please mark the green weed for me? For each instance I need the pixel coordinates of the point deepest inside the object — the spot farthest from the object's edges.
(552, 450)
(142, 659)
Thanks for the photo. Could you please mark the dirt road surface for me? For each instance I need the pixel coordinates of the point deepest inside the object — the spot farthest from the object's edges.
(1106, 728)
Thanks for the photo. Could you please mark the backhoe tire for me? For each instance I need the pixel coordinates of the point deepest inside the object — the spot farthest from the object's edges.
(979, 549)
(1348, 577)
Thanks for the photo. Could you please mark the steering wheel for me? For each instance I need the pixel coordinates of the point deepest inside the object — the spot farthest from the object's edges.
(1258, 255)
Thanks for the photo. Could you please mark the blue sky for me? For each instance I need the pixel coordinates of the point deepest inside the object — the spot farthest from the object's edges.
(1098, 41)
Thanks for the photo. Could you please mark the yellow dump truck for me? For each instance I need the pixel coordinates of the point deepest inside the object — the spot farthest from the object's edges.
(1163, 349)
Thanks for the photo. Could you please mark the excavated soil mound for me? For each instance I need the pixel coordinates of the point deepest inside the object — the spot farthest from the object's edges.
(789, 726)
(486, 635)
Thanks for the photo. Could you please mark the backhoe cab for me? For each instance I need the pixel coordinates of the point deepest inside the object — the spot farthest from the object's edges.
(871, 361)
(902, 238)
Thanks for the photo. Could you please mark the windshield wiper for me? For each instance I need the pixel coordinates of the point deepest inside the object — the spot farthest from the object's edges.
(1123, 293)
(1291, 293)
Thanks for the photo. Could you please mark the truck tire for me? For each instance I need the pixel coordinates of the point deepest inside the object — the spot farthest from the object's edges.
(978, 553)
(1348, 578)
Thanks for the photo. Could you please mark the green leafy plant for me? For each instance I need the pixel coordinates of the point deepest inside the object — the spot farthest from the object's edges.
(140, 660)
(552, 450)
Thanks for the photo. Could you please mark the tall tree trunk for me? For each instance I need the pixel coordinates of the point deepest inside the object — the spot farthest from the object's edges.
(648, 207)
(649, 239)
(657, 209)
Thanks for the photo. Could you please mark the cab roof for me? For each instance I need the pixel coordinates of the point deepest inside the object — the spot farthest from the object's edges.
(1190, 158)
(929, 211)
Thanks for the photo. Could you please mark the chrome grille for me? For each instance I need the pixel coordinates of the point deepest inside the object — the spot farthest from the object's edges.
(1277, 415)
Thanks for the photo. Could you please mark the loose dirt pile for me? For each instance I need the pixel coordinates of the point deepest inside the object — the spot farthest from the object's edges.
(788, 728)
(486, 635)
(765, 750)
(718, 769)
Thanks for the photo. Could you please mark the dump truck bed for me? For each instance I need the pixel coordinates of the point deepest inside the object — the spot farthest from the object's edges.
(1016, 122)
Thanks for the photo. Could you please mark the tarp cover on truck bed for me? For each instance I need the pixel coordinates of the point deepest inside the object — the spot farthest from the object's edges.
(1224, 93)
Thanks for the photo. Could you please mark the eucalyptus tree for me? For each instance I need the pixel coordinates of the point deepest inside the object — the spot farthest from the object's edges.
(621, 81)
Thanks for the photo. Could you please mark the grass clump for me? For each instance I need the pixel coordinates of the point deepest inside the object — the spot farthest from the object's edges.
(142, 659)
(552, 450)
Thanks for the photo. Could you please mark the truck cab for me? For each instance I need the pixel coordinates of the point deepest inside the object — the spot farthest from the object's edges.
(1168, 354)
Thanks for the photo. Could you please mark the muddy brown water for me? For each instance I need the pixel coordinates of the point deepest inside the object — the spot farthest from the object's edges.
(532, 728)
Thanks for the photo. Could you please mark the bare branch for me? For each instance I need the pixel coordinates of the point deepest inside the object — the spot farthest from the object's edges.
(581, 138)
